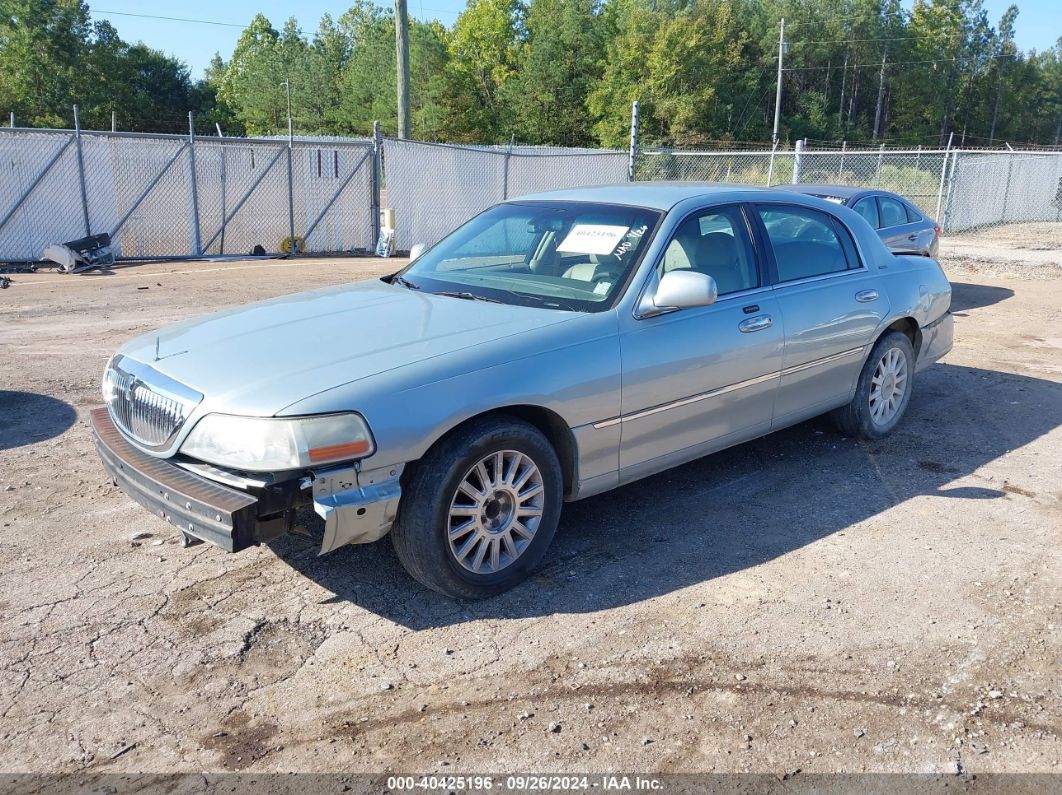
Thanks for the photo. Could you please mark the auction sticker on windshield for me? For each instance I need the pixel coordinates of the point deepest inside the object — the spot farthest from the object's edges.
(592, 239)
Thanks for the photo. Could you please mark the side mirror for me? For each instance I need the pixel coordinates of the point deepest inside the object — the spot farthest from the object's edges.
(416, 250)
(685, 289)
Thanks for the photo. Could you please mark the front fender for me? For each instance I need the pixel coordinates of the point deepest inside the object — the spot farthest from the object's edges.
(571, 369)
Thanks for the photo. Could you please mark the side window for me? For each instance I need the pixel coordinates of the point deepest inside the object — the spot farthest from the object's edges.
(892, 212)
(714, 242)
(913, 216)
(868, 208)
(805, 242)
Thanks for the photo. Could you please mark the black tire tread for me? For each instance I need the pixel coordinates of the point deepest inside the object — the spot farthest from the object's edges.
(424, 490)
(853, 419)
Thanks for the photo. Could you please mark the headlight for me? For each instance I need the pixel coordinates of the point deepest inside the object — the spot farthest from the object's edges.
(265, 444)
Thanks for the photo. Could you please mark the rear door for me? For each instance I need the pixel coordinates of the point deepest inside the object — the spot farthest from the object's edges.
(868, 208)
(830, 308)
(896, 231)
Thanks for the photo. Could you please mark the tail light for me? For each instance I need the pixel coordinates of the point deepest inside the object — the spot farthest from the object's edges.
(936, 229)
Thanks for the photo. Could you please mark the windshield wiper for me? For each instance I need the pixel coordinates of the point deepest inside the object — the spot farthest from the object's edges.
(467, 296)
(550, 301)
(405, 283)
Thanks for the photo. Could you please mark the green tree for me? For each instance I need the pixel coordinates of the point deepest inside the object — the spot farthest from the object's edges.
(251, 84)
(483, 49)
(559, 62)
(42, 46)
(686, 63)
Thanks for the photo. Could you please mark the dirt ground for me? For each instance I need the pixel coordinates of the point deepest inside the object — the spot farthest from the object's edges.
(800, 602)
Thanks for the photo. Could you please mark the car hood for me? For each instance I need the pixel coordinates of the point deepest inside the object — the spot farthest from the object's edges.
(260, 358)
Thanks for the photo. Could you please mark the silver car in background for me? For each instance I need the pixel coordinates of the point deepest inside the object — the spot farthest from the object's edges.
(901, 226)
(552, 348)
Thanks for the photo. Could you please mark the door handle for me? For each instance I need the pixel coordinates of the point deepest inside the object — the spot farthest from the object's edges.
(912, 237)
(866, 296)
(756, 324)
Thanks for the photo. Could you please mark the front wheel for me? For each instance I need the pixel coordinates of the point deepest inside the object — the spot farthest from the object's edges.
(480, 509)
(882, 392)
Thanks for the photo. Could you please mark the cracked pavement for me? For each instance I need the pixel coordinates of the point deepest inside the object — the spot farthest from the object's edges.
(804, 601)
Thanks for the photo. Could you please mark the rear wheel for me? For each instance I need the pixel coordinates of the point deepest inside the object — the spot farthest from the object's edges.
(883, 390)
(480, 509)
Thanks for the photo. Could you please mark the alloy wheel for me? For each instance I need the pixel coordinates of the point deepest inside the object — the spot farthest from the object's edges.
(888, 387)
(495, 512)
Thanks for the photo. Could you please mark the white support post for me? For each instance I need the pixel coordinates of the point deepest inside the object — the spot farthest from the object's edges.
(943, 175)
(81, 170)
(193, 181)
(798, 160)
(632, 156)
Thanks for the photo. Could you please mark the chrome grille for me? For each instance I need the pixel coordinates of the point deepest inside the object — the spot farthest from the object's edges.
(147, 405)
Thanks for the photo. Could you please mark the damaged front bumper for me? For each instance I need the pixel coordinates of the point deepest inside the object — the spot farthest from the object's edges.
(357, 507)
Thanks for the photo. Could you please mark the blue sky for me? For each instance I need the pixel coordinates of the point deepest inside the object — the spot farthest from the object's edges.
(1038, 23)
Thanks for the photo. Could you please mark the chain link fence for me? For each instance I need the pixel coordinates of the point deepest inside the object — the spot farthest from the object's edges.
(433, 188)
(989, 188)
(172, 196)
(175, 196)
(962, 189)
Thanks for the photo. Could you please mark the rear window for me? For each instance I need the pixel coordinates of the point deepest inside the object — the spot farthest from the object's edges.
(805, 242)
(868, 208)
(893, 213)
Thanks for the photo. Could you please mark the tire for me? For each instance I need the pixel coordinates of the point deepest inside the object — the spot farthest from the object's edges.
(438, 502)
(869, 415)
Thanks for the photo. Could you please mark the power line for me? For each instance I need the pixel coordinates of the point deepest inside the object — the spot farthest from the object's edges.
(219, 23)
(170, 19)
(854, 41)
(878, 64)
(843, 19)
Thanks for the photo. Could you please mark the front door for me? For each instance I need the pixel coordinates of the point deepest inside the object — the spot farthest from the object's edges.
(701, 379)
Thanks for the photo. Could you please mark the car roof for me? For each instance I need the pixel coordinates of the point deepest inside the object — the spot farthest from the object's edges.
(845, 192)
(655, 195)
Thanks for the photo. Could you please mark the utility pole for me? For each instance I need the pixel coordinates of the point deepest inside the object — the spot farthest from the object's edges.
(995, 107)
(287, 89)
(881, 97)
(844, 77)
(778, 91)
(402, 61)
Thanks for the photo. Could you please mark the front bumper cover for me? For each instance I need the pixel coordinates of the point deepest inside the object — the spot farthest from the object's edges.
(230, 518)
(358, 507)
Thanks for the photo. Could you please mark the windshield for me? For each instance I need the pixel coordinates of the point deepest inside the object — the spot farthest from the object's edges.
(558, 255)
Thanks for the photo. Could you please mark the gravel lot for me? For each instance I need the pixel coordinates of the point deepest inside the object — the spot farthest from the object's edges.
(800, 602)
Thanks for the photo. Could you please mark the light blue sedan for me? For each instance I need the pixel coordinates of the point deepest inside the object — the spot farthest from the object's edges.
(553, 347)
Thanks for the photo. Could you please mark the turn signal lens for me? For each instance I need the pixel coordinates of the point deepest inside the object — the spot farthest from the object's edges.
(339, 451)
